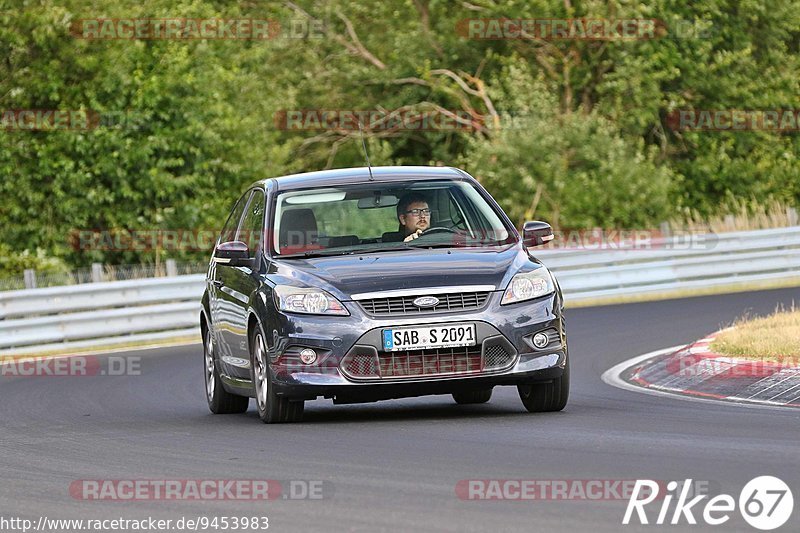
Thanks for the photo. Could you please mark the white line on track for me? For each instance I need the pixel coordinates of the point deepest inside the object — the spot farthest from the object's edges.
(612, 377)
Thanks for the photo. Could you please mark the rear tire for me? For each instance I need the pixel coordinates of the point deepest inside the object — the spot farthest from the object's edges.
(546, 397)
(472, 397)
(272, 409)
(220, 401)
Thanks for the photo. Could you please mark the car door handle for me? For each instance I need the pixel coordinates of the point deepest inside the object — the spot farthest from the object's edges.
(217, 283)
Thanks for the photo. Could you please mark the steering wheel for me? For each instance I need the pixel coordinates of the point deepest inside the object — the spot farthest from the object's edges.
(437, 229)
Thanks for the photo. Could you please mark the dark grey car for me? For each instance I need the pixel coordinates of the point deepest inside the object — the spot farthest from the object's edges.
(317, 289)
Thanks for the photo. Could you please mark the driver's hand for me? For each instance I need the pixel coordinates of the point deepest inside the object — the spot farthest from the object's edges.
(413, 236)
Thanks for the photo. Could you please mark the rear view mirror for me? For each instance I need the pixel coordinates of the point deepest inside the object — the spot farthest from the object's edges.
(233, 253)
(378, 200)
(536, 233)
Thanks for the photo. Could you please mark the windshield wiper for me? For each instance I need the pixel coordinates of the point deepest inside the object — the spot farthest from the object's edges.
(383, 249)
(411, 244)
(315, 253)
(334, 252)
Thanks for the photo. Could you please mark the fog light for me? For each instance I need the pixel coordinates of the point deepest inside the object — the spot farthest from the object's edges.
(540, 340)
(308, 356)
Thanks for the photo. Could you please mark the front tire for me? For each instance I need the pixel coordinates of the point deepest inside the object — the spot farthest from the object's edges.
(272, 409)
(546, 397)
(472, 397)
(220, 401)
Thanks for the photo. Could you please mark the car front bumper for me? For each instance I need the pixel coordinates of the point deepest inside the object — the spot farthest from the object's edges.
(334, 337)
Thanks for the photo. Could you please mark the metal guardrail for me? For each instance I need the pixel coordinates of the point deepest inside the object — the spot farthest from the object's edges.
(95, 296)
(677, 263)
(98, 272)
(81, 316)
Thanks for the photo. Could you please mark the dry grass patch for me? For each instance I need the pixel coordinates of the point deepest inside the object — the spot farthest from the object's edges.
(741, 216)
(775, 337)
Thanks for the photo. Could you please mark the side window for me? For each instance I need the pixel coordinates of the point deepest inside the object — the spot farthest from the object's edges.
(232, 225)
(252, 228)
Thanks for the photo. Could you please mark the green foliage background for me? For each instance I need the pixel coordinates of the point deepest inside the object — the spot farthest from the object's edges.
(575, 131)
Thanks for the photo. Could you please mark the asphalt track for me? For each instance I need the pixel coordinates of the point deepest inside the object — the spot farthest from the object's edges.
(394, 465)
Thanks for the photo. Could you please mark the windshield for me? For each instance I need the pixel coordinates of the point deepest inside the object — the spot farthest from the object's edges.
(384, 217)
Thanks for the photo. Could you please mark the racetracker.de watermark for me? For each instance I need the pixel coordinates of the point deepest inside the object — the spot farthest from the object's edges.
(698, 365)
(600, 239)
(775, 120)
(71, 366)
(376, 120)
(175, 29)
(24, 120)
(48, 119)
(199, 489)
(559, 489)
(145, 240)
(581, 29)
(183, 29)
(597, 239)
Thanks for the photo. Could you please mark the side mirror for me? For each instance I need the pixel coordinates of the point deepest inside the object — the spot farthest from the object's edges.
(536, 233)
(233, 253)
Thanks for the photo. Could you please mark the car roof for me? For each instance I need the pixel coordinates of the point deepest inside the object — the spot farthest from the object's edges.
(345, 176)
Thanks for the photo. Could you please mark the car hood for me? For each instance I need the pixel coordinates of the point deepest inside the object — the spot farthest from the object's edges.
(353, 274)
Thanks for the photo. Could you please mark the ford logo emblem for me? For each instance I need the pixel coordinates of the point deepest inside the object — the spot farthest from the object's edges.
(426, 301)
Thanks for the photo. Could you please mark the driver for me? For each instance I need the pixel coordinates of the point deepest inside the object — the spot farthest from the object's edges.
(414, 215)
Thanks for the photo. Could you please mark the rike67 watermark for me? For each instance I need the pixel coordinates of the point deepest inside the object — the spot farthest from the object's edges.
(765, 503)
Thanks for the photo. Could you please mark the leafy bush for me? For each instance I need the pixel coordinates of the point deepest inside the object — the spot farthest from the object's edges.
(15, 264)
(574, 170)
(583, 138)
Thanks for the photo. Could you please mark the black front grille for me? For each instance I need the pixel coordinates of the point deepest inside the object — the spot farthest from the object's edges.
(361, 365)
(404, 305)
(434, 362)
(366, 363)
(496, 356)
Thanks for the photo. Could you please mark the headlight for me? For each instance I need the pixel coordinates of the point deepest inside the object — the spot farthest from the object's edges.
(307, 300)
(528, 286)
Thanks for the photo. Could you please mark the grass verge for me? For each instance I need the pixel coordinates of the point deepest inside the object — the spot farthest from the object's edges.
(772, 338)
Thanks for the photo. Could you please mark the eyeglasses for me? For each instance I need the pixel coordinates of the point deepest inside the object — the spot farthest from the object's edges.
(418, 212)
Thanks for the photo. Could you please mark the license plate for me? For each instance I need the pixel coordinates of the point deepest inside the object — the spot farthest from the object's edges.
(445, 336)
